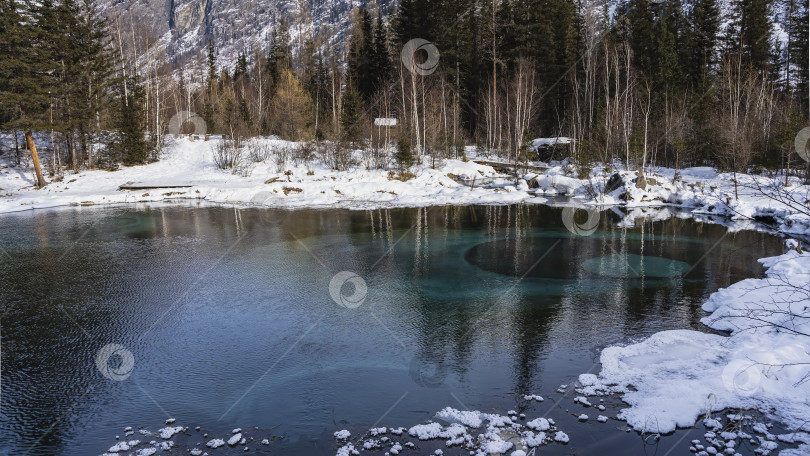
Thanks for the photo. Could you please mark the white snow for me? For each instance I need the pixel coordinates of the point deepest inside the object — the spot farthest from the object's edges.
(478, 432)
(235, 439)
(467, 418)
(169, 432)
(702, 191)
(539, 424)
(215, 443)
(561, 436)
(676, 376)
(347, 450)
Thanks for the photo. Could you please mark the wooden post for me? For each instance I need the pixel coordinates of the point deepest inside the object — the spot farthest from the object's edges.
(29, 139)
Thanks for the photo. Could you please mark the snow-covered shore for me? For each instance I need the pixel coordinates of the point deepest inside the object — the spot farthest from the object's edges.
(674, 377)
(312, 185)
(190, 164)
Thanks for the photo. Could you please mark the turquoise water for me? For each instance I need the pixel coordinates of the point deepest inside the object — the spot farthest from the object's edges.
(231, 321)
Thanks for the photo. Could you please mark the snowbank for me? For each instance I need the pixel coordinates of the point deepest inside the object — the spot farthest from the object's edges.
(190, 164)
(674, 377)
(291, 184)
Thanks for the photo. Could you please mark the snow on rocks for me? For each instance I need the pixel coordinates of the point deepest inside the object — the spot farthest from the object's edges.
(539, 424)
(347, 450)
(477, 432)
(468, 418)
(215, 443)
(583, 400)
(561, 436)
(235, 439)
(123, 446)
(169, 432)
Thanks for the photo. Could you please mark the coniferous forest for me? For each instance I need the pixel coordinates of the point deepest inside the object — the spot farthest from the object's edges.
(642, 83)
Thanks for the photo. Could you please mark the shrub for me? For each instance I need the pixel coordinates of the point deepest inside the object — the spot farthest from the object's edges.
(228, 154)
(404, 156)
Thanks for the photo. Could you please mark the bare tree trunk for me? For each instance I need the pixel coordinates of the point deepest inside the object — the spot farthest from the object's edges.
(642, 180)
(29, 139)
(415, 114)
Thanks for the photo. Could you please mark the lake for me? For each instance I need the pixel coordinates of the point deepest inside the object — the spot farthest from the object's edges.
(296, 324)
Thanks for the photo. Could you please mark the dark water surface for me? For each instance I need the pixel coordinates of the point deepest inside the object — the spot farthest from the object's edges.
(229, 318)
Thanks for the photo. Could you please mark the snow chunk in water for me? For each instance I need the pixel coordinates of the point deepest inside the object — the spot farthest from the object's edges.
(169, 432)
(215, 443)
(539, 424)
(425, 431)
(467, 418)
(235, 439)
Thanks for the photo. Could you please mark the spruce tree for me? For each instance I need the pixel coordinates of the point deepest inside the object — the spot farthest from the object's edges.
(212, 65)
(798, 41)
(127, 143)
(415, 19)
(25, 76)
(380, 57)
(665, 64)
(361, 63)
(352, 114)
(751, 33)
(279, 58)
(240, 69)
(700, 49)
(640, 28)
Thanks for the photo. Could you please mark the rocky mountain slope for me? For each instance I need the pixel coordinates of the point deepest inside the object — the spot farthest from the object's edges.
(185, 26)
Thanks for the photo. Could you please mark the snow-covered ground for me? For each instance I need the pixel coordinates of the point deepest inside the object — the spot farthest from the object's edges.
(702, 191)
(669, 380)
(293, 186)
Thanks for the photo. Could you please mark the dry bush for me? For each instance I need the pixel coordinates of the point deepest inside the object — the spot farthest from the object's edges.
(336, 155)
(305, 153)
(228, 154)
(403, 176)
(283, 155)
(258, 152)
